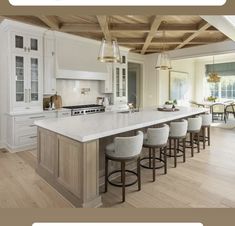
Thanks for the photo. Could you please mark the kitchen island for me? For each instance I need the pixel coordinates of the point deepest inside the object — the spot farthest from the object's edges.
(71, 150)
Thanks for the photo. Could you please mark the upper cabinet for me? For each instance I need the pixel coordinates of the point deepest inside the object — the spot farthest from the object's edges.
(26, 43)
(23, 51)
(49, 78)
(27, 67)
(120, 81)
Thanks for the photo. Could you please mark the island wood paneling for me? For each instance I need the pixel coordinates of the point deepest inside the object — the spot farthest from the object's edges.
(72, 168)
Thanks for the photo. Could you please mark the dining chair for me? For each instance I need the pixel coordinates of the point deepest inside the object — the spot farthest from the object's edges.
(218, 111)
(230, 109)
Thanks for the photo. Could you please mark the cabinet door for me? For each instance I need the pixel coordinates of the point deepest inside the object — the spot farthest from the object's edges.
(19, 43)
(117, 73)
(49, 77)
(34, 80)
(34, 45)
(124, 82)
(20, 80)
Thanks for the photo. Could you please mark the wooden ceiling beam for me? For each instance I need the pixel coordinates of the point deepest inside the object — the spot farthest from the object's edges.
(203, 26)
(154, 27)
(104, 25)
(172, 41)
(68, 27)
(128, 27)
(50, 21)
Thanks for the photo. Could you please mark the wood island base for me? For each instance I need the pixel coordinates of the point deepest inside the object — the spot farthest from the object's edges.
(71, 167)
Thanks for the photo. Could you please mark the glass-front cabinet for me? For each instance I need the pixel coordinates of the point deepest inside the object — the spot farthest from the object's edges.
(27, 72)
(120, 81)
(23, 43)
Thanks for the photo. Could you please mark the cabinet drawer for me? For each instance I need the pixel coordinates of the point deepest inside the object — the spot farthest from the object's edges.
(29, 139)
(25, 129)
(29, 118)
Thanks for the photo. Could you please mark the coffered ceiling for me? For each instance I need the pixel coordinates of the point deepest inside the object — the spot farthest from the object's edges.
(142, 34)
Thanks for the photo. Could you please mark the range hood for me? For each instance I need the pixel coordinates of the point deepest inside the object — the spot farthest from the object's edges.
(76, 58)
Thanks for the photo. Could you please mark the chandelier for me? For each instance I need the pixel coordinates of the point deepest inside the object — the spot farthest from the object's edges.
(163, 60)
(214, 76)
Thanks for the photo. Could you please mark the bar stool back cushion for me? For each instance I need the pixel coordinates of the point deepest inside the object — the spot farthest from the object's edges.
(178, 129)
(194, 124)
(127, 147)
(206, 119)
(157, 136)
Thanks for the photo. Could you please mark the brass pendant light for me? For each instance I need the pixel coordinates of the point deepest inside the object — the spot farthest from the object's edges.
(163, 60)
(214, 76)
(109, 51)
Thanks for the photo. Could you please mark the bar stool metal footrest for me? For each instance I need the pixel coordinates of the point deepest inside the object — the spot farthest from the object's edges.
(120, 183)
(178, 154)
(149, 165)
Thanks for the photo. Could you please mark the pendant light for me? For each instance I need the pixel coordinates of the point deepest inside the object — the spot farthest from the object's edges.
(163, 60)
(109, 50)
(214, 76)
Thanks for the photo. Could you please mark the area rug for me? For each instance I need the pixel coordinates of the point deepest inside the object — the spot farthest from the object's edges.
(229, 125)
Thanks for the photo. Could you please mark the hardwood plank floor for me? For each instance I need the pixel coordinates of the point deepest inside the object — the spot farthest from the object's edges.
(207, 180)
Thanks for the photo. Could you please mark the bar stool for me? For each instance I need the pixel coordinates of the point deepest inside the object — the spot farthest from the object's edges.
(156, 138)
(178, 132)
(194, 128)
(124, 149)
(206, 125)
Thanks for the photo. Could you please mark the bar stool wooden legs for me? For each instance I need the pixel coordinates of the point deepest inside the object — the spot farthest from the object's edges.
(152, 159)
(178, 131)
(123, 150)
(205, 130)
(177, 152)
(123, 172)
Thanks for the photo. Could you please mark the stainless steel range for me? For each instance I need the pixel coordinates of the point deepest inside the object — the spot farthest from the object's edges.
(85, 109)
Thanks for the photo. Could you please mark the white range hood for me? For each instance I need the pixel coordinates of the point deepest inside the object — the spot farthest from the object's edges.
(76, 58)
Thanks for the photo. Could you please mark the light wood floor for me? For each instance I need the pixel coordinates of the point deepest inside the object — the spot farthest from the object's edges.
(207, 180)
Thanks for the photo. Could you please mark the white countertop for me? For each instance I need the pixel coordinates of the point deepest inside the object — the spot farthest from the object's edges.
(94, 126)
(38, 112)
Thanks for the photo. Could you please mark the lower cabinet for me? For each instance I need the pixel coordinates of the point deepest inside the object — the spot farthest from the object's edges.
(22, 133)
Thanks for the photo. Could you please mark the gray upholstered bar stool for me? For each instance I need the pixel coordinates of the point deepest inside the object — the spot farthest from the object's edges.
(124, 149)
(156, 138)
(205, 131)
(194, 128)
(178, 132)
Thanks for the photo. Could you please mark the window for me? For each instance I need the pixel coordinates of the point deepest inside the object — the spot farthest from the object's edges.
(223, 90)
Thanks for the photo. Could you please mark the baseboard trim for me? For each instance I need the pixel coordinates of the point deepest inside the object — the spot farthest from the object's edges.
(13, 149)
(1, 144)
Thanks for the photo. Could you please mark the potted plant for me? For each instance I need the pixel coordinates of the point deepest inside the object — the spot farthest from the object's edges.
(168, 104)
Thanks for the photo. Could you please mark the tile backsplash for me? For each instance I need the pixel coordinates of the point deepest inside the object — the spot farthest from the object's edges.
(75, 92)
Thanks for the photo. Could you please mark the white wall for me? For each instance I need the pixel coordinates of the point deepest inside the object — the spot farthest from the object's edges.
(187, 65)
(157, 81)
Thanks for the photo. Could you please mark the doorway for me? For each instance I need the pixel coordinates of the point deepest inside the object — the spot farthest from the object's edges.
(134, 72)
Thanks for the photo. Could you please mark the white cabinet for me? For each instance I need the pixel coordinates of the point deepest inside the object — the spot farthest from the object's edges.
(24, 68)
(23, 42)
(49, 78)
(107, 84)
(27, 76)
(22, 133)
(120, 81)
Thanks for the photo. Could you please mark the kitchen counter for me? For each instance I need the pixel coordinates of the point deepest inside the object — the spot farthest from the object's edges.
(38, 112)
(71, 150)
(94, 126)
